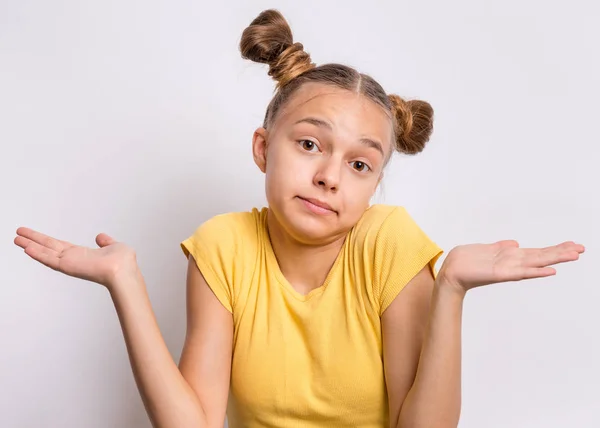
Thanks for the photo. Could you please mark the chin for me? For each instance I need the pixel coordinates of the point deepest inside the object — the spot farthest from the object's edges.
(312, 236)
(311, 228)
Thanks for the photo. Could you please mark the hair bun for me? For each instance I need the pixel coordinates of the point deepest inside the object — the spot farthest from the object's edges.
(268, 40)
(413, 124)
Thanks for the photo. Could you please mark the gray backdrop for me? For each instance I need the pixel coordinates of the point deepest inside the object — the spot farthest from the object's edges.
(135, 118)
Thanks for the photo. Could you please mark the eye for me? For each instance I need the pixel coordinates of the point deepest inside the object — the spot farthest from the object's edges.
(309, 145)
(361, 166)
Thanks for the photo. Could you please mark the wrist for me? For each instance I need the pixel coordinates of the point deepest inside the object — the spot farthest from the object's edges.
(449, 287)
(127, 283)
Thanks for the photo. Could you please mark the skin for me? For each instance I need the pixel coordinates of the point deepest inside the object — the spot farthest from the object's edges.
(421, 328)
(313, 161)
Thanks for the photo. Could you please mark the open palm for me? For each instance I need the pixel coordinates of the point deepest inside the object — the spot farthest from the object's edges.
(101, 265)
(475, 265)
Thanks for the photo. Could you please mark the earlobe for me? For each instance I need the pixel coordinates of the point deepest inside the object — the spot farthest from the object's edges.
(259, 148)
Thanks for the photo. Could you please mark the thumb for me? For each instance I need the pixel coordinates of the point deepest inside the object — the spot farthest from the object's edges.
(506, 243)
(103, 240)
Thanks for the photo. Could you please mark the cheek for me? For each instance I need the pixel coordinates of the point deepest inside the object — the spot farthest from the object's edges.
(281, 174)
(358, 194)
(285, 169)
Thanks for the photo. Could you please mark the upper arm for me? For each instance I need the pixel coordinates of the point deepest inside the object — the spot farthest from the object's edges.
(205, 361)
(403, 324)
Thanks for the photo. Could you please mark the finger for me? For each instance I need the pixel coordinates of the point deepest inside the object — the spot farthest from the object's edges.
(564, 257)
(550, 255)
(41, 239)
(564, 246)
(568, 246)
(22, 242)
(43, 255)
(530, 273)
(508, 243)
(103, 240)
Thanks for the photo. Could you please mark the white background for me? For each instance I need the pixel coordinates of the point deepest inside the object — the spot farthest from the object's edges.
(135, 118)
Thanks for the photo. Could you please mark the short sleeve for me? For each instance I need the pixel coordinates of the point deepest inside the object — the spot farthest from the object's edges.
(401, 250)
(214, 246)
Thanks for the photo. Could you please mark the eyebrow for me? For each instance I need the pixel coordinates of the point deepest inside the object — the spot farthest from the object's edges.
(324, 124)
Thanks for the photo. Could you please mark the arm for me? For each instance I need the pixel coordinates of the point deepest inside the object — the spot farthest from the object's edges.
(206, 357)
(422, 353)
(434, 399)
(194, 395)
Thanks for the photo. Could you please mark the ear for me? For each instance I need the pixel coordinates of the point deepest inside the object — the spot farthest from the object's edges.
(259, 148)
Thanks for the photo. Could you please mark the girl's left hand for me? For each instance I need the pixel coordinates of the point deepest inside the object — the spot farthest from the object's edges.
(475, 265)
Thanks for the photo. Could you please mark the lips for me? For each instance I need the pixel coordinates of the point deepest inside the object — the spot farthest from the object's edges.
(318, 203)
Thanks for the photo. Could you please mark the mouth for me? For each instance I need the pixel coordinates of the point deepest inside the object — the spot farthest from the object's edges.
(317, 206)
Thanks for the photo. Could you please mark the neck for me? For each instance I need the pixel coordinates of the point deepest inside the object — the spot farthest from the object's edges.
(304, 266)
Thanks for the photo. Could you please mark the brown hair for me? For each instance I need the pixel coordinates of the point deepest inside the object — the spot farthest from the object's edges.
(268, 39)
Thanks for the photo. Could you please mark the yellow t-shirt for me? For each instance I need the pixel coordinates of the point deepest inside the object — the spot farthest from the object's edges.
(312, 360)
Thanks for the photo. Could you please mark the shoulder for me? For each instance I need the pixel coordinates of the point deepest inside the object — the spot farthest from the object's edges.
(395, 248)
(224, 248)
(380, 213)
(382, 222)
(390, 230)
(229, 232)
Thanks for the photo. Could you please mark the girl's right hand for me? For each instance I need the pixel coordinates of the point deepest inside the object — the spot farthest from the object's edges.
(104, 265)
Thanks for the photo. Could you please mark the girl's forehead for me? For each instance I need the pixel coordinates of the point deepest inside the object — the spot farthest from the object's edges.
(315, 95)
(329, 100)
(340, 106)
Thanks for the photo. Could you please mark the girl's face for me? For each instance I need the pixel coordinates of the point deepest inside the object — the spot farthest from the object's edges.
(323, 159)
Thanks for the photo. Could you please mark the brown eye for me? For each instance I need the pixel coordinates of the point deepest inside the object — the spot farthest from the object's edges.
(308, 145)
(361, 166)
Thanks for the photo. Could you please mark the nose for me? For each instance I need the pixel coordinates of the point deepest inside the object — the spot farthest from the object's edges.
(328, 175)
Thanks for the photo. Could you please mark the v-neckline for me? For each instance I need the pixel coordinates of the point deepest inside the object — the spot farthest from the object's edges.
(272, 258)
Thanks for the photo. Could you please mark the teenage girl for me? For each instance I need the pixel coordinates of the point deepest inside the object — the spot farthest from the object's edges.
(318, 310)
